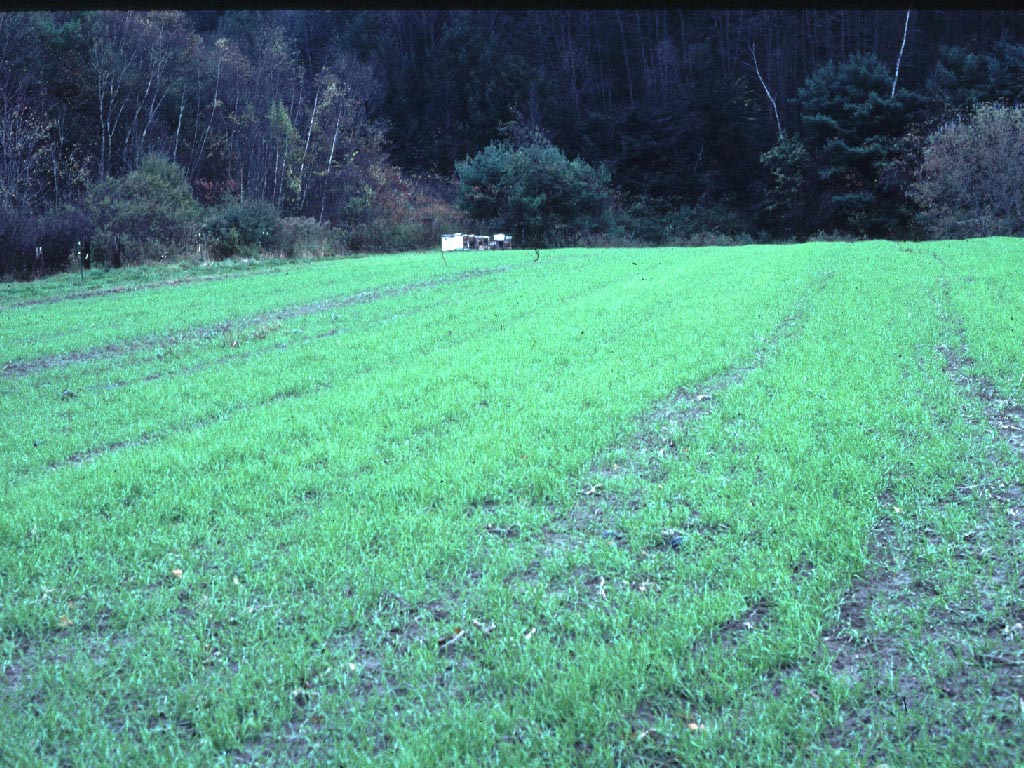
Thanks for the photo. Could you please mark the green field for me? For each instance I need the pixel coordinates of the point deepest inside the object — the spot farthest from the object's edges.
(740, 506)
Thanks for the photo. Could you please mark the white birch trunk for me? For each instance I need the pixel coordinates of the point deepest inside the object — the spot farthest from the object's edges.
(899, 59)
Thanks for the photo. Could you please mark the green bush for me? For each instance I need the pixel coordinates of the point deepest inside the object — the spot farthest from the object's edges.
(59, 229)
(150, 210)
(646, 220)
(307, 238)
(243, 228)
(527, 187)
(382, 236)
(649, 221)
(850, 128)
(401, 212)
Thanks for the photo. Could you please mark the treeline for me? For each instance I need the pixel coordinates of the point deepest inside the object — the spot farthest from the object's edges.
(307, 130)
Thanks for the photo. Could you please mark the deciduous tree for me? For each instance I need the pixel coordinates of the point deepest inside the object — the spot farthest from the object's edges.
(971, 179)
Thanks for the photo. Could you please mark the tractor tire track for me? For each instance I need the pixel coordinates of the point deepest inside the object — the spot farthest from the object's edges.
(864, 654)
(85, 454)
(115, 289)
(19, 368)
(91, 454)
(243, 347)
(652, 447)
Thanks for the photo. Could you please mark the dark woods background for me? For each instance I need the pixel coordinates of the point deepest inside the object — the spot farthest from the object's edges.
(224, 133)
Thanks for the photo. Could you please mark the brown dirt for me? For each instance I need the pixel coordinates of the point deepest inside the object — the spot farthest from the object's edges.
(14, 674)
(859, 652)
(649, 452)
(730, 633)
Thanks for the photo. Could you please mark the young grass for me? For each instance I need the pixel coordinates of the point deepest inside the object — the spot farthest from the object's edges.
(745, 506)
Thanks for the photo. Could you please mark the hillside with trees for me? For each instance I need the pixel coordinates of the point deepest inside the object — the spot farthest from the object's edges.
(224, 133)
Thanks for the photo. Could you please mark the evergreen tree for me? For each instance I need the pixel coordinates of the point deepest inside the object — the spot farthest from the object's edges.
(851, 127)
(787, 192)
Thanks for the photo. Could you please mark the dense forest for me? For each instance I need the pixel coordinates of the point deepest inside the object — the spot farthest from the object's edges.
(234, 132)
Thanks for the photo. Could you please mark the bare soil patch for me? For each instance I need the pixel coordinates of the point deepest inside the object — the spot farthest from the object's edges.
(647, 455)
(858, 651)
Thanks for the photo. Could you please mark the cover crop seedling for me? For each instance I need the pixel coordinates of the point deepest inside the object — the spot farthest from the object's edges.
(745, 506)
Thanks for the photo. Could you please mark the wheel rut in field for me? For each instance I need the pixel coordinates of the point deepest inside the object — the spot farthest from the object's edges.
(242, 345)
(116, 289)
(980, 626)
(249, 324)
(1003, 414)
(657, 441)
(654, 443)
(91, 454)
(595, 513)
